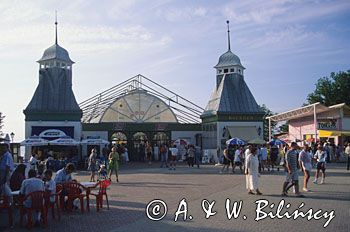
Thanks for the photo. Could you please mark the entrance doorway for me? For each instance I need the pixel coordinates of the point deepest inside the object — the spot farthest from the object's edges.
(138, 146)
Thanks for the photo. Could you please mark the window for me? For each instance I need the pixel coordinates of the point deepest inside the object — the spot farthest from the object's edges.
(219, 71)
(232, 70)
(239, 70)
(225, 70)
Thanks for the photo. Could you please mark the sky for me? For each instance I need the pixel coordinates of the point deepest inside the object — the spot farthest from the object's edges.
(285, 46)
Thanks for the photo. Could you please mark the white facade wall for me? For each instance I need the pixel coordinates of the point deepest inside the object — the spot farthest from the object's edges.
(29, 124)
(190, 136)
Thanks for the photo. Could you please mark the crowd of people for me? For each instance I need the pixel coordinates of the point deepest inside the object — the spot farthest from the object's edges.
(38, 178)
(253, 160)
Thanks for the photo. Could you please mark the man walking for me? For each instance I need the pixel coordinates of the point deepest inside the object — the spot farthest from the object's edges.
(347, 153)
(292, 171)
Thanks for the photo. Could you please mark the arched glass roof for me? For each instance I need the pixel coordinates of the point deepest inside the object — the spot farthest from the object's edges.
(139, 99)
(138, 106)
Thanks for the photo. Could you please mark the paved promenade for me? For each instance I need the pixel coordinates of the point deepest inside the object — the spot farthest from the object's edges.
(141, 183)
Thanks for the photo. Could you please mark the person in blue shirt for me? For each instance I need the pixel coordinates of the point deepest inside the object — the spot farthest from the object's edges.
(6, 169)
(64, 175)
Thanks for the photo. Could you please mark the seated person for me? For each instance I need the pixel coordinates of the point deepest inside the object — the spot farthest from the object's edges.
(64, 175)
(30, 185)
(41, 169)
(17, 177)
(50, 185)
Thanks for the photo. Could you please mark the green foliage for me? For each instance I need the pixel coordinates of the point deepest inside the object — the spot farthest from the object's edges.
(284, 128)
(268, 112)
(332, 90)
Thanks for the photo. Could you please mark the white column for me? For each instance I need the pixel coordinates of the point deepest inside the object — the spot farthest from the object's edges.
(269, 129)
(315, 122)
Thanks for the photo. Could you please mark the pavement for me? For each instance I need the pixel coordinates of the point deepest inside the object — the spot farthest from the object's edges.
(140, 183)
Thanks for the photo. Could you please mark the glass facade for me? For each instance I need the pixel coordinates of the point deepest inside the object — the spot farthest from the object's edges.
(140, 107)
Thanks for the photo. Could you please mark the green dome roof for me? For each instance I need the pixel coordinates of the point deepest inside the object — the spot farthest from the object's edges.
(56, 52)
(228, 59)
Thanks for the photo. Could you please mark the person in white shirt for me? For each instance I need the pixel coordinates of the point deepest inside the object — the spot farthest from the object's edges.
(50, 185)
(252, 172)
(263, 152)
(305, 163)
(237, 160)
(347, 153)
(320, 156)
(174, 152)
(33, 161)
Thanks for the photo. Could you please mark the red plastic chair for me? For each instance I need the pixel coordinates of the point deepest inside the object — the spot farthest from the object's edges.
(103, 185)
(74, 191)
(37, 199)
(49, 204)
(5, 204)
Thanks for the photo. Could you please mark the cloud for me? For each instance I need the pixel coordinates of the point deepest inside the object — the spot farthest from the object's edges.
(183, 14)
(289, 38)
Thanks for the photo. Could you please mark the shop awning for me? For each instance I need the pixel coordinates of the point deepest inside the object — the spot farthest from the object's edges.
(245, 133)
(326, 133)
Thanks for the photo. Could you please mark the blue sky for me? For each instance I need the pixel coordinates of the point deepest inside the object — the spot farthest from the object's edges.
(285, 45)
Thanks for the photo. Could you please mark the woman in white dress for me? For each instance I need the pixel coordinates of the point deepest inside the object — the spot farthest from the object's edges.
(252, 172)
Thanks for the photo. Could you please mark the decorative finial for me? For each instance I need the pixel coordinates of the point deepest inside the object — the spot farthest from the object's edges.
(228, 35)
(56, 26)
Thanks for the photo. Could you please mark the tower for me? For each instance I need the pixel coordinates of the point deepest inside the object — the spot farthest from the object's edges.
(232, 110)
(53, 110)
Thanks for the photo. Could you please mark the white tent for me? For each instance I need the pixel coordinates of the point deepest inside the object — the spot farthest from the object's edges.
(64, 141)
(34, 141)
(94, 141)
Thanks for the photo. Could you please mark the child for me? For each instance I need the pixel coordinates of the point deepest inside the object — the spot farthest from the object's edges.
(50, 185)
(102, 172)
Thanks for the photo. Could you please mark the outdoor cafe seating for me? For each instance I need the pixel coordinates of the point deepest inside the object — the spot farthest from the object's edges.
(64, 198)
(49, 204)
(5, 204)
(37, 204)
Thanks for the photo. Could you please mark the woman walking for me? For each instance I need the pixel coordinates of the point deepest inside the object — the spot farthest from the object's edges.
(190, 156)
(113, 164)
(92, 164)
(305, 163)
(252, 172)
(320, 157)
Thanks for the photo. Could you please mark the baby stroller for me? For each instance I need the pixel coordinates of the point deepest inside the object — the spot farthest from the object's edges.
(102, 171)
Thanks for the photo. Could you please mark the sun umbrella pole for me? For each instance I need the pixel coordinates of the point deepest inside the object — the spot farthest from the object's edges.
(269, 129)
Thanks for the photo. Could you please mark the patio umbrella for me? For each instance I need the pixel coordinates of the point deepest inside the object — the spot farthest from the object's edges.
(277, 142)
(235, 141)
(257, 141)
(34, 141)
(64, 141)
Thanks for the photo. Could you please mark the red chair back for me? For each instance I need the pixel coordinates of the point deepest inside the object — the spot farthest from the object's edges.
(37, 199)
(72, 188)
(104, 185)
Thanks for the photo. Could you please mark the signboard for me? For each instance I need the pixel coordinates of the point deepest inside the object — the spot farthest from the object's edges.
(327, 124)
(52, 133)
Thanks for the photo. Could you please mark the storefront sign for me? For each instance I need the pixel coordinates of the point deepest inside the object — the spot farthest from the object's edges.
(52, 133)
(327, 124)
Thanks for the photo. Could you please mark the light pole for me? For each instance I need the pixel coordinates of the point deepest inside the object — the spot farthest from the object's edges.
(12, 136)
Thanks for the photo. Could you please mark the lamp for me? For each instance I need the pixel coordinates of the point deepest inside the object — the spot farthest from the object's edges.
(12, 136)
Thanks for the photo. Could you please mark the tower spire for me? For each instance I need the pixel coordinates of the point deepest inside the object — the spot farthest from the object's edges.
(56, 27)
(228, 35)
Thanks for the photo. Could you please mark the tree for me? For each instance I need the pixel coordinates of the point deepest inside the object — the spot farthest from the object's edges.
(1, 123)
(268, 113)
(284, 128)
(332, 90)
